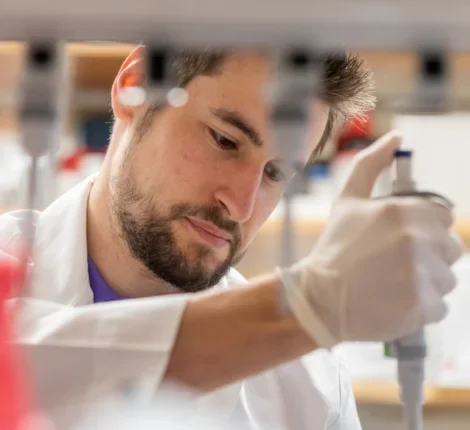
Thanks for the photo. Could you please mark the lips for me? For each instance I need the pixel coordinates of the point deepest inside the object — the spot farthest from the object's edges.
(210, 229)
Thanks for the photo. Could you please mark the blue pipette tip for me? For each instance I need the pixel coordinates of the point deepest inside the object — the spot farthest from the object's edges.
(401, 153)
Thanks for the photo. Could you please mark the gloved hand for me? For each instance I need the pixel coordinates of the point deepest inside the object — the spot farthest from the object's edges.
(381, 268)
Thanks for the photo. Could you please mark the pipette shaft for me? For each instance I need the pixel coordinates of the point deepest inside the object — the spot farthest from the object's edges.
(411, 350)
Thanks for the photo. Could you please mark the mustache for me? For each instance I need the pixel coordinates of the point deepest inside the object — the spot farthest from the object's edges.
(213, 214)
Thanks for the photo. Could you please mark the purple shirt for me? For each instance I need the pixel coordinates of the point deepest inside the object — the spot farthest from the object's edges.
(102, 292)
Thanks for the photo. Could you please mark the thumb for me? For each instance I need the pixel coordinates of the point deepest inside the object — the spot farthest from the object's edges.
(368, 165)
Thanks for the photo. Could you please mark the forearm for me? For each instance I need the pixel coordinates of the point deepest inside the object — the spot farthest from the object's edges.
(229, 335)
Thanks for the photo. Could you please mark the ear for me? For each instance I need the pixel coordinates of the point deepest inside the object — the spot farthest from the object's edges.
(131, 74)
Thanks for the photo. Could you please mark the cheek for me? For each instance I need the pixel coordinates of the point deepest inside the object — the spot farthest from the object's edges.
(265, 205)
(171, 157)
(191, 166)
(189, 156)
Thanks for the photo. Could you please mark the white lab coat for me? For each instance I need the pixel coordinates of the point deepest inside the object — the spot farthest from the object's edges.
(81, 352)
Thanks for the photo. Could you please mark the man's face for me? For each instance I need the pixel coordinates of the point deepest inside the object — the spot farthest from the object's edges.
(191, 191)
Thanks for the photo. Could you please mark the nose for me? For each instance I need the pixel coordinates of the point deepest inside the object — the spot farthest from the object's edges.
(239, 191)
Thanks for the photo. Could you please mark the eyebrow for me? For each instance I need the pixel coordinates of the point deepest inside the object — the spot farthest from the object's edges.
(236, 120)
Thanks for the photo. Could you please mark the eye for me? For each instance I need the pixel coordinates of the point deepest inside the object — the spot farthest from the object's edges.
(223, 142)
(274, 173)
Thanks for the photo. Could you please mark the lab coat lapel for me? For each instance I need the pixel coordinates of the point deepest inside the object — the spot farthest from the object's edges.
(60, 272)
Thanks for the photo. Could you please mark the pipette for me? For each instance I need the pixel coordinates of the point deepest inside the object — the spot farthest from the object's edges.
(410, 351)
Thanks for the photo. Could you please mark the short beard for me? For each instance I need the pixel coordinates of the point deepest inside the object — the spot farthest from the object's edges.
(150, 238)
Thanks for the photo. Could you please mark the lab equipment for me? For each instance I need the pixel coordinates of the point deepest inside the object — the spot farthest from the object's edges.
(158, 85)
(15, 390)
(411, 350)
(42, 110)
(160, 76)
(42, 105)
(295, 83)
(10, 396)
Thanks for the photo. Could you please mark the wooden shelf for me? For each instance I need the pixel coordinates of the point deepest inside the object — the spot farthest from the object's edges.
(374, 393)
(94, 64)
(77, 49)
(105, 56)
(394, 71)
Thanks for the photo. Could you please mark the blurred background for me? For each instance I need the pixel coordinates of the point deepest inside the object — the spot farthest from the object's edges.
(442, 159)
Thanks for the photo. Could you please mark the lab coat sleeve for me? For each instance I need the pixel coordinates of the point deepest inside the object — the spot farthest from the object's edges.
(78, 353)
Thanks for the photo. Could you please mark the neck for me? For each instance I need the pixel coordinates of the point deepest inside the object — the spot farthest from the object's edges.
(122, 272)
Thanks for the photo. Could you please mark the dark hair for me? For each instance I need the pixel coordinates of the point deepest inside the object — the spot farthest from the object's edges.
(347, 84)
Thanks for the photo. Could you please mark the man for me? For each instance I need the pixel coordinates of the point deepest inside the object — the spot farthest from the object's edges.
(181, 195)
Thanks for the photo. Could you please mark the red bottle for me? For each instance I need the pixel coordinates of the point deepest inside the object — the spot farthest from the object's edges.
(15, 401)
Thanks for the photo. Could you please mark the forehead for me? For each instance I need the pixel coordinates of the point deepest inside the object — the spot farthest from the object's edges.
(242, 84)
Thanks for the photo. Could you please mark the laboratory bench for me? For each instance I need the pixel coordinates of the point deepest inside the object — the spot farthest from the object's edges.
(379, 407)
(436, 398)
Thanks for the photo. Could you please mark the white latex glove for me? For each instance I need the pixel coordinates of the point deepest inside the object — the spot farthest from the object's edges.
(381, 268)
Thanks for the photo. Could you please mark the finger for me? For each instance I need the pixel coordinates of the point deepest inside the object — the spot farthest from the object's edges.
(441, 213)
(435, 312)
(434, 281)
(433, 263)
(445, 282)
(447, 247)
(368, 165)
(455, 248)
(425, 216)
(432, 307)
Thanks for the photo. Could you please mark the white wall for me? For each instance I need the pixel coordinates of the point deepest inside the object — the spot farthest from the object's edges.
(441, 147)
